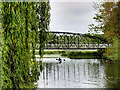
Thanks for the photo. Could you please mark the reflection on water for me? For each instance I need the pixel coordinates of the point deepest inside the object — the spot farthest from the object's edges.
(78, 73)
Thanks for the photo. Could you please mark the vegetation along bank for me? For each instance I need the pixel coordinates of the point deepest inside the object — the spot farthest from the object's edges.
(76, 54)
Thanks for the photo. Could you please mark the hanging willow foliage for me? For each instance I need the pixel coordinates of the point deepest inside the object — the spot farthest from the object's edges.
(20, 27)
(0, 44)
(43, 21)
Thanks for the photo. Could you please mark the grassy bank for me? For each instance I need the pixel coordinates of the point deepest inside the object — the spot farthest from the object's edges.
(76, 54)
(83, 54)
(51, 52)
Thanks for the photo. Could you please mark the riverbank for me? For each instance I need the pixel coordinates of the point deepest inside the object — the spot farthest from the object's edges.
(49, 56)
(83, 54)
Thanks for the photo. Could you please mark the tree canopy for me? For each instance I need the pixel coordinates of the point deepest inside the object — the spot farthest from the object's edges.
(108, 19)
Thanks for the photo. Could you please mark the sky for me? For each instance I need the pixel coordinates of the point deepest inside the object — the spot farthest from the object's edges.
(71, 15)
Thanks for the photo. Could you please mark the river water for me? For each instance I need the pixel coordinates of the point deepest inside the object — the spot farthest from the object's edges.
(79, 73)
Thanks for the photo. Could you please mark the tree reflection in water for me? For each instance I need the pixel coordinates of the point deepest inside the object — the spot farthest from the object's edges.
(79, 73)
(36, 68)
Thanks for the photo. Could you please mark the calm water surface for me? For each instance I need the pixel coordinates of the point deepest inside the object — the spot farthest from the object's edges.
(79, 73)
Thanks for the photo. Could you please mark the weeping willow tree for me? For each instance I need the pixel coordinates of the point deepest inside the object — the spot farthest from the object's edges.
(43, 21)
(0, 43)
(21, 22)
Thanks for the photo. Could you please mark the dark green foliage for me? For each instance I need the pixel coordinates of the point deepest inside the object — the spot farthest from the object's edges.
(19, 34)
(43, 16)
(84, 54)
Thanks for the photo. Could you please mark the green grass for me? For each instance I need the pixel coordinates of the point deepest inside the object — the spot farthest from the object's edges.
(75, 54)
(53, 52)
(50, 52)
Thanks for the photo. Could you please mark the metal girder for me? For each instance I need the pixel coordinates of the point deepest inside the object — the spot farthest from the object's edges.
(67, 40)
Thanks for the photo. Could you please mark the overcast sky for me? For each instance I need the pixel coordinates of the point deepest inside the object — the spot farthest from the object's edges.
(71, 15)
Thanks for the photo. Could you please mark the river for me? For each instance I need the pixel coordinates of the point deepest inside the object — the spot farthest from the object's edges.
(79, 73)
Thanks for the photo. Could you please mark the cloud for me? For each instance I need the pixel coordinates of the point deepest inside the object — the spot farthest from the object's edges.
(71, 16)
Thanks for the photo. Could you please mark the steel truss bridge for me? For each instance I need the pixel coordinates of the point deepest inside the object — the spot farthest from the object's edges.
(67, 40)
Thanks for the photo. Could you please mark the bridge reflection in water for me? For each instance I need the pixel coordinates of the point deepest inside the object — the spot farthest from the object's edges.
(72, 74)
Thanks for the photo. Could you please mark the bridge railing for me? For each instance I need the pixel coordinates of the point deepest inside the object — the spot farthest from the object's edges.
(67, 40)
